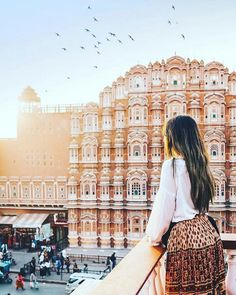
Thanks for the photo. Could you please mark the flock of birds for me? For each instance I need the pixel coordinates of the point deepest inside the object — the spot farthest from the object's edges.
(170, 22)
(111, 36)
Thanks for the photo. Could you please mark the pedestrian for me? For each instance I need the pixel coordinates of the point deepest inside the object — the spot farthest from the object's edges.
(195, 257)
(48, 267)
(58, 265)
(33, 265)
(20, 282)
(62, 259)
(67, 263)
(108, 264)
(75, 267)
(113, 259)
(33, 281)
(85, 269)
(42, 269)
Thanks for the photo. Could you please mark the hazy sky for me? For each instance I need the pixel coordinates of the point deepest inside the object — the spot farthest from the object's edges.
(31, 53)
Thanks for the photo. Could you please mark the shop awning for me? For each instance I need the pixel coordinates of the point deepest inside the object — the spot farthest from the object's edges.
(9, 220)
(29, 220)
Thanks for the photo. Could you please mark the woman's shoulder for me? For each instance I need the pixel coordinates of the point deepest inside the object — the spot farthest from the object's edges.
(178, 165)
(169, 162)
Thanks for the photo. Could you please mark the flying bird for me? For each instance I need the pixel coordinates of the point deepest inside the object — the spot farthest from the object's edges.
(173, 7)
(169, 22)
(119, 41)
(82, 47)
(95, 67)
(89, 7)
(87, 30)
(112, 34)
(68, 78)
(183, 36)
(63, 48)
(94, 36)
(95, 46)
(108, 39)
(99, 42)
(95, 19)
(131, 37)
(98, 52)
(58, 35)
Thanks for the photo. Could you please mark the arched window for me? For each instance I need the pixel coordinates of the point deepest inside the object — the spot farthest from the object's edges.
(88, 227)
(88, 186)
(75, 125)
(137, 147)
(89, 149)
(233, 87)
(87, 189)
(138, 82)
(175, 106)
(219, 178)
(136, 189)
(214, 151)
(136, 186)
(137, 151)
(217, 190)
(90, 122)
(107, 99)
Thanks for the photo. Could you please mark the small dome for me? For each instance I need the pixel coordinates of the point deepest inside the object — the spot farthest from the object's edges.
(74, 143)
(105, 176)
(156, 137)
(118, 175)
(72, 180)
(29, 95)
(232, 103)
(194, 104)
(106, 139)
(119, 139)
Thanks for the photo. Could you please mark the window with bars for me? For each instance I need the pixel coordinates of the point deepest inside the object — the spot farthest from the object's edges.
(136, 189)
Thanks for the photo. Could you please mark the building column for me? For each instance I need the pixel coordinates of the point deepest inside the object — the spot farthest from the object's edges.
(72, 227)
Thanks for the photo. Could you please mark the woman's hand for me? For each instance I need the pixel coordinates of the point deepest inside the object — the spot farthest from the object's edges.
(153, 243)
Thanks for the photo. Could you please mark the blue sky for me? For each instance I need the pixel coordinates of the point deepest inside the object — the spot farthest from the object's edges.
(31, 52)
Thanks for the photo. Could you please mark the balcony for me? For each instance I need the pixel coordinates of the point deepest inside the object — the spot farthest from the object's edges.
(142, 271)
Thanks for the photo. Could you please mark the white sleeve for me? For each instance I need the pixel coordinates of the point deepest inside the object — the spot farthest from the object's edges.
(164, 205)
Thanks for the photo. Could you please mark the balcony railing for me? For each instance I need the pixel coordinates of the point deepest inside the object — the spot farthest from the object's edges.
(131, 274)
(142, 271)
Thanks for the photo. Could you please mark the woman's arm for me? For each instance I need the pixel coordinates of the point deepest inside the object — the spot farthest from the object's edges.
(164, 205)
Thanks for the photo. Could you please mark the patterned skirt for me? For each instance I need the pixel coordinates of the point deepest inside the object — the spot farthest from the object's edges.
(195, 261)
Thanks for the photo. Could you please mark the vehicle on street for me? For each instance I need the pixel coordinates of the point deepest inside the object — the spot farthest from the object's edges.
(4, 273)
(77, 279)
(86, 287)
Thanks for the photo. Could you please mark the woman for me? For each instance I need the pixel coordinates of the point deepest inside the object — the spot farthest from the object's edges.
(195, 262)
(20, 282)
(33, 281)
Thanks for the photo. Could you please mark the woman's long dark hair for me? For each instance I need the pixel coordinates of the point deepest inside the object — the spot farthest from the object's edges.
(183, 138)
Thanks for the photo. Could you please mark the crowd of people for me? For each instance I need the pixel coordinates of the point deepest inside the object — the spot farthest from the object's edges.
(49, 261)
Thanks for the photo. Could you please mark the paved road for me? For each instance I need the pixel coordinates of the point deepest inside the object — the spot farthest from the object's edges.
(44, 289)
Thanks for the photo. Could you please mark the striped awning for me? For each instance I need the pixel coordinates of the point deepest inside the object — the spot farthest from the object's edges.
(7, 220)
(29, 220)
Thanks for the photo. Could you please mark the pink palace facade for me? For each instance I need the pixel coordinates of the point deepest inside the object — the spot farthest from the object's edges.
(99, 164)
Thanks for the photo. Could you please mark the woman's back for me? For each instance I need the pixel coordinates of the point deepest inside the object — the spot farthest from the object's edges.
(195, 260)
(184, 207)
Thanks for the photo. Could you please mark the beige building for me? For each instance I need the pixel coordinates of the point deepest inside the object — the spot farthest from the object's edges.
(101, 163)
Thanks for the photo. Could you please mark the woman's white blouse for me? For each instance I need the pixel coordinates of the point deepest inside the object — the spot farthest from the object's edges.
(173, 201)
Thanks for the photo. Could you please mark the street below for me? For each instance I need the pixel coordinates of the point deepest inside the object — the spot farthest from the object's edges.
(44, 289)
